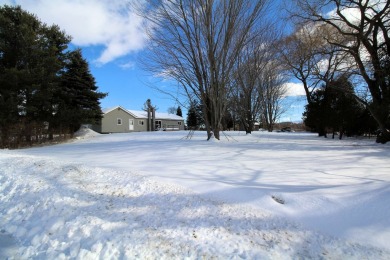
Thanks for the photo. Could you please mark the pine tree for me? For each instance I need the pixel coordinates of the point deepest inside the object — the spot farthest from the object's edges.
(43, 87)
(334, 107)
(179, 112)
(195, 115)
(192, 121)
(31, 57)
(78, 98)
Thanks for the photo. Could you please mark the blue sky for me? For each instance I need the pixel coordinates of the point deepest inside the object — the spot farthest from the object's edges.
(112, 39)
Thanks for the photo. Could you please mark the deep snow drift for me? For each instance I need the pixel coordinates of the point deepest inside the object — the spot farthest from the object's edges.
(160, 195)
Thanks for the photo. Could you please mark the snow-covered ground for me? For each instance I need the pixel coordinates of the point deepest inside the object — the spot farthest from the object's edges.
(160, 195)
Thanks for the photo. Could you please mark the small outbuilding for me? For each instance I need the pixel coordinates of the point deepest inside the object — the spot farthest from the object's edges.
(121, 120)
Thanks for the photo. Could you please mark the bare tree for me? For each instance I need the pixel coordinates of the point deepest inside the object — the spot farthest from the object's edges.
(196, 43)
(297, 52)
(311, 59)
(245, 93)
(367, 26)
(148, 105)
(172, 110)
(151, 114)
(273, 91)
(253, 59)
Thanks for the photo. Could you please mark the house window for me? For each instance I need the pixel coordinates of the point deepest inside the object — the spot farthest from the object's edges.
(179, 123)
(119, 121)
(141, 122)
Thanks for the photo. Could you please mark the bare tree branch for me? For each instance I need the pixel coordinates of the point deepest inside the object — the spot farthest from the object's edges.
(196, 43)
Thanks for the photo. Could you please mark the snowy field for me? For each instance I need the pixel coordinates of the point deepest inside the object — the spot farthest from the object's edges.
(162, 196)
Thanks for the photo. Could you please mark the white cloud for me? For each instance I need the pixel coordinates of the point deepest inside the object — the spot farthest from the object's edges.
(295, 89)
(127, 66)
(353, 14)
(93, 23)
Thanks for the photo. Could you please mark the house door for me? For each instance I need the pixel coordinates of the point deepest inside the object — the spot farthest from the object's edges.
(131, 124)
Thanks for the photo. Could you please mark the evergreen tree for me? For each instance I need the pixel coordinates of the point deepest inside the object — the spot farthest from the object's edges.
(78, 98)
(179, 112)
(195, 117)
(314, 115)
(335, 108)
(31, 57)
(228, 121)
(192, 122)
(43, 88)
(344, 108)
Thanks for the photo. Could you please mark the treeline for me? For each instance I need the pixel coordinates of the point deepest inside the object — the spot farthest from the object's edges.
(230, 57)
(46, 90)
(334, 109)
(340, 51)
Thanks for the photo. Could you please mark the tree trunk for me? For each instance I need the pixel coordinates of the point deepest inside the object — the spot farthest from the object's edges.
(383, 137)
(217, 134)
(246, 125)
(341, 135)
(322, 132)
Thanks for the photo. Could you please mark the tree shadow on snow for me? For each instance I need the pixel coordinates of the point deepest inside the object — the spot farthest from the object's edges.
(75, 210)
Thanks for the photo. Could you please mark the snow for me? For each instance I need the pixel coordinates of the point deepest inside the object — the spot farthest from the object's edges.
(85, 133)
(144, 114)
(162, 195)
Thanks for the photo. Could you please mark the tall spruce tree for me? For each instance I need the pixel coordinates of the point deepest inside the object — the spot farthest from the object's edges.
(195, 115)
(79, 96)
(179, 112)
(334, 108)
(31, 57)
(43, 87)
(192, 121)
